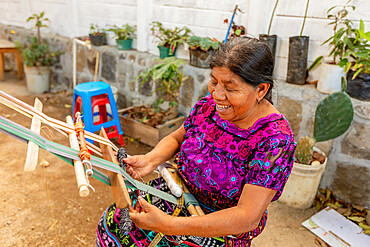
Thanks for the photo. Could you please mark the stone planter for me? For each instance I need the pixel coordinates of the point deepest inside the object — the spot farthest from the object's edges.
(38, 78)
(199, 58)
(302, 185)
(330, 79)
(147, 134)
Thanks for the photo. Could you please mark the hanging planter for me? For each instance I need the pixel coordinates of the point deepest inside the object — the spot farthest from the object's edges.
(199, 58)
(270, 41)
(201, 50)
(359, 87)
(165, 52)
(297, 60)
(124, 44)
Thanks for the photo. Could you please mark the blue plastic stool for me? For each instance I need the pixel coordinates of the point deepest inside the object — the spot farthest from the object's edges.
(97, 94)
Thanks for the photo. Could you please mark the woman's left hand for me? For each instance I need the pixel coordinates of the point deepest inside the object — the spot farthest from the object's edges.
(148, 217)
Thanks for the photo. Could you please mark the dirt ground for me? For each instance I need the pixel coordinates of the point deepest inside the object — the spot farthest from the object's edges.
(30, 200)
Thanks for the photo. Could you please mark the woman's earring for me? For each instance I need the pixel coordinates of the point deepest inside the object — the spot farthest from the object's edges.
(258, 100)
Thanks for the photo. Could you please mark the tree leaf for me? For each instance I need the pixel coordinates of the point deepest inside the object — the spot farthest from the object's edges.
(315, 63)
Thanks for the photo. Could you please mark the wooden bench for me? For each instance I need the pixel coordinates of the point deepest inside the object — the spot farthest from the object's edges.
(8, 47)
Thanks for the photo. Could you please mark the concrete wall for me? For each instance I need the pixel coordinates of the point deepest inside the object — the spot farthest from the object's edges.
(348, 164)
(204, 17)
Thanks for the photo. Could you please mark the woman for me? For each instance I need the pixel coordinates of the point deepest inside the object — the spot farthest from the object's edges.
(235, 153)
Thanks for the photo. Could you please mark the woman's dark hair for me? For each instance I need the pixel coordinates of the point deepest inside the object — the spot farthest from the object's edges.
(248, 58)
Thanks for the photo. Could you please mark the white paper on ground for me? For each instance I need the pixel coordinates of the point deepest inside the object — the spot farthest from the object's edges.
(336, 230)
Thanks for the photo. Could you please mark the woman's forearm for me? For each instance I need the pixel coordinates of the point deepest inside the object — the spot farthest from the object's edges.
(232, 221)
(166, 148)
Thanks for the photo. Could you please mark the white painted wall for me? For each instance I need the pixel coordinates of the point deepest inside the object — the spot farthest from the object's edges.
(204, 17)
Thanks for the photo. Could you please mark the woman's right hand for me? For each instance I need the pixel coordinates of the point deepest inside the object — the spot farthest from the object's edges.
(138, 166)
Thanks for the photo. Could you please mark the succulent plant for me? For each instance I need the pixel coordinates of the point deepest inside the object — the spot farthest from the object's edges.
(304, 150)
(333, 116)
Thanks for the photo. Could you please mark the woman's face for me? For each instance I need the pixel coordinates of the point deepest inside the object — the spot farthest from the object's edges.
(235, 100)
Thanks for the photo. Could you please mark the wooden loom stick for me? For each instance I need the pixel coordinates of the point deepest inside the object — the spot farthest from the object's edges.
(120, 193)
(33, 149)
(79, 170)
(191, 208)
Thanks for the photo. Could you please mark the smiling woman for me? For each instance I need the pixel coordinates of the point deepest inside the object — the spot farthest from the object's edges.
(235, 152)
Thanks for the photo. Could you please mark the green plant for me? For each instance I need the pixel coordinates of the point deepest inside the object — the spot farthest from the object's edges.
(167, 37)
(36, 52)
(350, 46)
(272, 16)
(203, 43)
(96, 30)
(125, 32)
(169, 77)
(333, 117)
(304, 18)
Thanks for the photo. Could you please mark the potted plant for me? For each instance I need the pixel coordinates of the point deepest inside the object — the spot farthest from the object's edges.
(37, 57)
(330, 70)
(124, 36)
(201, 50)
(151, 124)
(333, 117)
(297, 59)
(270, 40)
(97, 35)
(168, 39)
(358, 64)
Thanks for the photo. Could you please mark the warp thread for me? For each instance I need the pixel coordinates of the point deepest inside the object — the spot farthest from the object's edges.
(125, 223)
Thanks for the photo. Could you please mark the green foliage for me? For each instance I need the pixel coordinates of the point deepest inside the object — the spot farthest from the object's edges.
(204, 44)
(315, 63)
(304, 150)
(95, 29)
(333, 116)
(125, 32)
(36, 52)
(350, 46)
(167, 37)
(168, 75)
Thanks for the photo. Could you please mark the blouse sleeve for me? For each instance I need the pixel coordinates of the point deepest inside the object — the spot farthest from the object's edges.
(271, 163)
(194, 112)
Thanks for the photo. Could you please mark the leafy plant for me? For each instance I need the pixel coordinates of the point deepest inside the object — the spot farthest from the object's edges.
(169, 77)
(272, 16)
(203, 43)
(125, 32)
(304, 18)
(333, 117)
(167, 37)
(96, 30)
(36, 52)
(350, 46)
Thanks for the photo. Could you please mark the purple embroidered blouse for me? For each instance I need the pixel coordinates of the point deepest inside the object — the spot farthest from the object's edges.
(217, 158)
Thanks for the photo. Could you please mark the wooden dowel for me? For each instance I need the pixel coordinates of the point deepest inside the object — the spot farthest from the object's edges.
(79, 170)
(33, 149)
(120, 193)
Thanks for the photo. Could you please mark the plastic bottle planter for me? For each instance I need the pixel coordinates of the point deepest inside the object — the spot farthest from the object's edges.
(98, 39)
(330, 79)
(270, 41)
(165, 52)
(199, 58)
(359, 87)
(38, 78)
(124, 44)
(297, 60)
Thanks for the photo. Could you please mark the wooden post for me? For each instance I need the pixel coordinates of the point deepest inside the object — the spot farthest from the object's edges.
(79, 170)
(33, 149)
(120, 193)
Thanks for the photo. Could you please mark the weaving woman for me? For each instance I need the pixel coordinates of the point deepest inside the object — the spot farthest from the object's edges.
(235, 152)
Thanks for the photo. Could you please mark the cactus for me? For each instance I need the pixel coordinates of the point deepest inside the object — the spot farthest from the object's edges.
(304, 150)
(333, 116)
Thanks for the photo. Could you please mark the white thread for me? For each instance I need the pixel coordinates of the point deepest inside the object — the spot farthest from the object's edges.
(172, 185)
